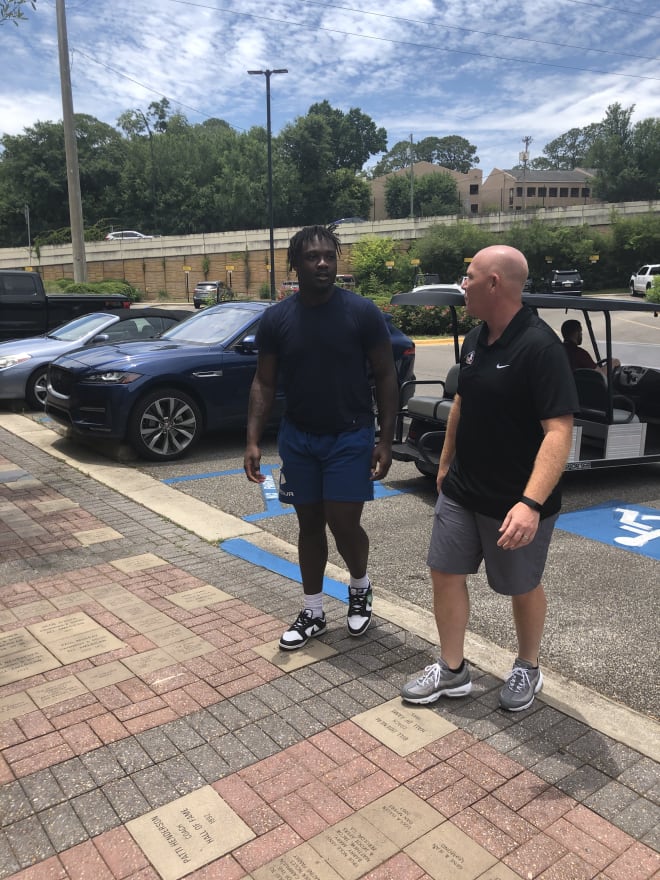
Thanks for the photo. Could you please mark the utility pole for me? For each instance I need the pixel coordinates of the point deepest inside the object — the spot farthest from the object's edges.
(71, 151)
(268, 74)
(524, 157)
(412, 178)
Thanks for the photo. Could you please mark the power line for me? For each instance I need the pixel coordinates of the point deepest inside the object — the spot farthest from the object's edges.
(416, 44)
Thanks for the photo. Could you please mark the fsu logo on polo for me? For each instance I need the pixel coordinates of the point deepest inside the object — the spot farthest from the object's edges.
(469, 358)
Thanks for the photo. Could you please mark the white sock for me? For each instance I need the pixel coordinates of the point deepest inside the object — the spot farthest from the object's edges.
(359, 585)
(314, 604)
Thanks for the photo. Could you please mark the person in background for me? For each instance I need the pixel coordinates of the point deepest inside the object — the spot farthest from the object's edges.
(507, 442)
(320, 343)
(578, 357)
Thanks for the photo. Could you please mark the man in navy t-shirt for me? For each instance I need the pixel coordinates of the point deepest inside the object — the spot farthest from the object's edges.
(321, 344)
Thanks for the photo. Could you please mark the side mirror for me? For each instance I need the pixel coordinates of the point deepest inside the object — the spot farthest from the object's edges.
(248, 345)
(102, 337)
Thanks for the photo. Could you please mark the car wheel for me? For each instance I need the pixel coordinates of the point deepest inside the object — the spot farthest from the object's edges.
(197, 305)
(165, 425)
(35, 389)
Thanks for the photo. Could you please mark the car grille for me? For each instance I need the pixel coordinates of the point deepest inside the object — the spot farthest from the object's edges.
(60, 380)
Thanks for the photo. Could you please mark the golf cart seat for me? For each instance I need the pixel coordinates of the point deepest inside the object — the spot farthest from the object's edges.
(593, 399)
(436, 408)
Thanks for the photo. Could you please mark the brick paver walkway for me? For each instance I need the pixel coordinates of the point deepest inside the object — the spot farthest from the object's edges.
(134, 672)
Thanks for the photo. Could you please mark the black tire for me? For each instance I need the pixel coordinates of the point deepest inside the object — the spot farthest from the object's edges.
(35, 388)
(165, 425)
(197, 305)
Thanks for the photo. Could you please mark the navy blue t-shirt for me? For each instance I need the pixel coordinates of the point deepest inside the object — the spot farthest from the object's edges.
(506, 390)
(321, 353)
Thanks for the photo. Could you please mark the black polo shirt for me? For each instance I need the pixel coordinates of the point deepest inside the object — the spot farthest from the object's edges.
(506, 390)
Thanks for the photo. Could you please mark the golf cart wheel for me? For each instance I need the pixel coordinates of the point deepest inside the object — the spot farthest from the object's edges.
(165, 425)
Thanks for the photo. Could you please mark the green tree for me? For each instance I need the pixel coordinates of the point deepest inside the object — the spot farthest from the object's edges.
(12, 10)
(610, 154)
(569, 150)
(452, 152)
(319, 149)
(434, 195)
(444, 249)
(369, 258)
(33, 172)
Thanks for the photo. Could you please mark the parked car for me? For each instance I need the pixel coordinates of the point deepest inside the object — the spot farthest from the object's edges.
(208, 293)
(162, 395)
(126, 235)
(345, 281)
(642, 280)
(287, 288)
(24, 362)
(564, 281)
(424, 278)
(619, 418)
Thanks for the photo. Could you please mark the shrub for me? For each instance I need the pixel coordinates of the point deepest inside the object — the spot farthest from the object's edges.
(66, 285)
(264, 290)
(653, 293)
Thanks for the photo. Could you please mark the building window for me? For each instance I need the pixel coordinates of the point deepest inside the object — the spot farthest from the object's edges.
(543, 191)
(474, 209)
(553, 192)
(575, 192)
(563, 192)
(519, 191)
(511, 197)
(474, 189)
(586, 192)
(531, 191)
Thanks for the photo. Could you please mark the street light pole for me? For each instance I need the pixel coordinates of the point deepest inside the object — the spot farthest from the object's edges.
(268, 74)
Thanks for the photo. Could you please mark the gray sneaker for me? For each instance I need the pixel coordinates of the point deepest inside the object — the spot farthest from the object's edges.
(437, 681)
(521, 684)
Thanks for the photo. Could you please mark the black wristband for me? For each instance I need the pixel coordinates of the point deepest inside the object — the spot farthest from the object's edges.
(531, 503)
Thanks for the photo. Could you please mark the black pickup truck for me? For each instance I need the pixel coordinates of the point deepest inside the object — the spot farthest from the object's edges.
(27, 310)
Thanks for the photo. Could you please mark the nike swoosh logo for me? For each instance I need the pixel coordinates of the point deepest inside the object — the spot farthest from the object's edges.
(502, 366)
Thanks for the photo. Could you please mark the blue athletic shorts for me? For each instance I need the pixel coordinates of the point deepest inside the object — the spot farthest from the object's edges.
(326, 467)
(461, 540)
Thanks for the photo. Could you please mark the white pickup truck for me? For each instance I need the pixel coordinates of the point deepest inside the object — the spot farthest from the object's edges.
(642, 280)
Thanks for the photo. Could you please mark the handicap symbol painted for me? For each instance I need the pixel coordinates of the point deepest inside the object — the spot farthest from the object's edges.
(628, 526)
(269, 490)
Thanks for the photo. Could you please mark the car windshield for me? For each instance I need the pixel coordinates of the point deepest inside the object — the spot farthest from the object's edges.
(73, 330)
(210, 326)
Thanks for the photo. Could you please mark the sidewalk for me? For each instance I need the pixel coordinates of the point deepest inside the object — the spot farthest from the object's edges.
(151, 728)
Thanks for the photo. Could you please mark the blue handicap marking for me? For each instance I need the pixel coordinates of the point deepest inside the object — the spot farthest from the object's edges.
(628, 526)
(269, 490)
(250, 553)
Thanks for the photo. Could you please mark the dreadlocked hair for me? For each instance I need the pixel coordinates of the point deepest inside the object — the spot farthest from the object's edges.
(307, 234)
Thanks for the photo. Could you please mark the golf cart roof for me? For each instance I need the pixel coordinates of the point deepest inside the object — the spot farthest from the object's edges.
(452, 295)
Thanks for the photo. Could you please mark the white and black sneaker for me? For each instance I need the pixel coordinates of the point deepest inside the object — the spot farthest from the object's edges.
(359, 611)
(304, 628)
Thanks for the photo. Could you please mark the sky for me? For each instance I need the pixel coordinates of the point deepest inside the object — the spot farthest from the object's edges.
(494, 72)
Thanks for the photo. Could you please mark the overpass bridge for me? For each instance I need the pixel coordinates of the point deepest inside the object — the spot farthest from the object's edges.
(170, 266)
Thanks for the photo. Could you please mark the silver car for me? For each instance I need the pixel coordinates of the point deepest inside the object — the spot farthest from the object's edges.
(24, 362)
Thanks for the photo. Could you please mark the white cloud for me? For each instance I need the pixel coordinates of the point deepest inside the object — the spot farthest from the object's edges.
(427, 67)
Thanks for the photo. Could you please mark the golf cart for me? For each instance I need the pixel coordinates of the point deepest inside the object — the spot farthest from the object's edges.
(619, 418)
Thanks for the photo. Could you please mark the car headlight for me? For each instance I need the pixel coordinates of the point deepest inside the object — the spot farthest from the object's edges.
(11, 360)
(110, 377)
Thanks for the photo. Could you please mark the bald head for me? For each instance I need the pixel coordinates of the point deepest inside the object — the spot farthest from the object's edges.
(508, 263)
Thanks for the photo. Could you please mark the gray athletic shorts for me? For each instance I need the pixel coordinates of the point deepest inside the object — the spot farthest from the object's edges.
(461, 540)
